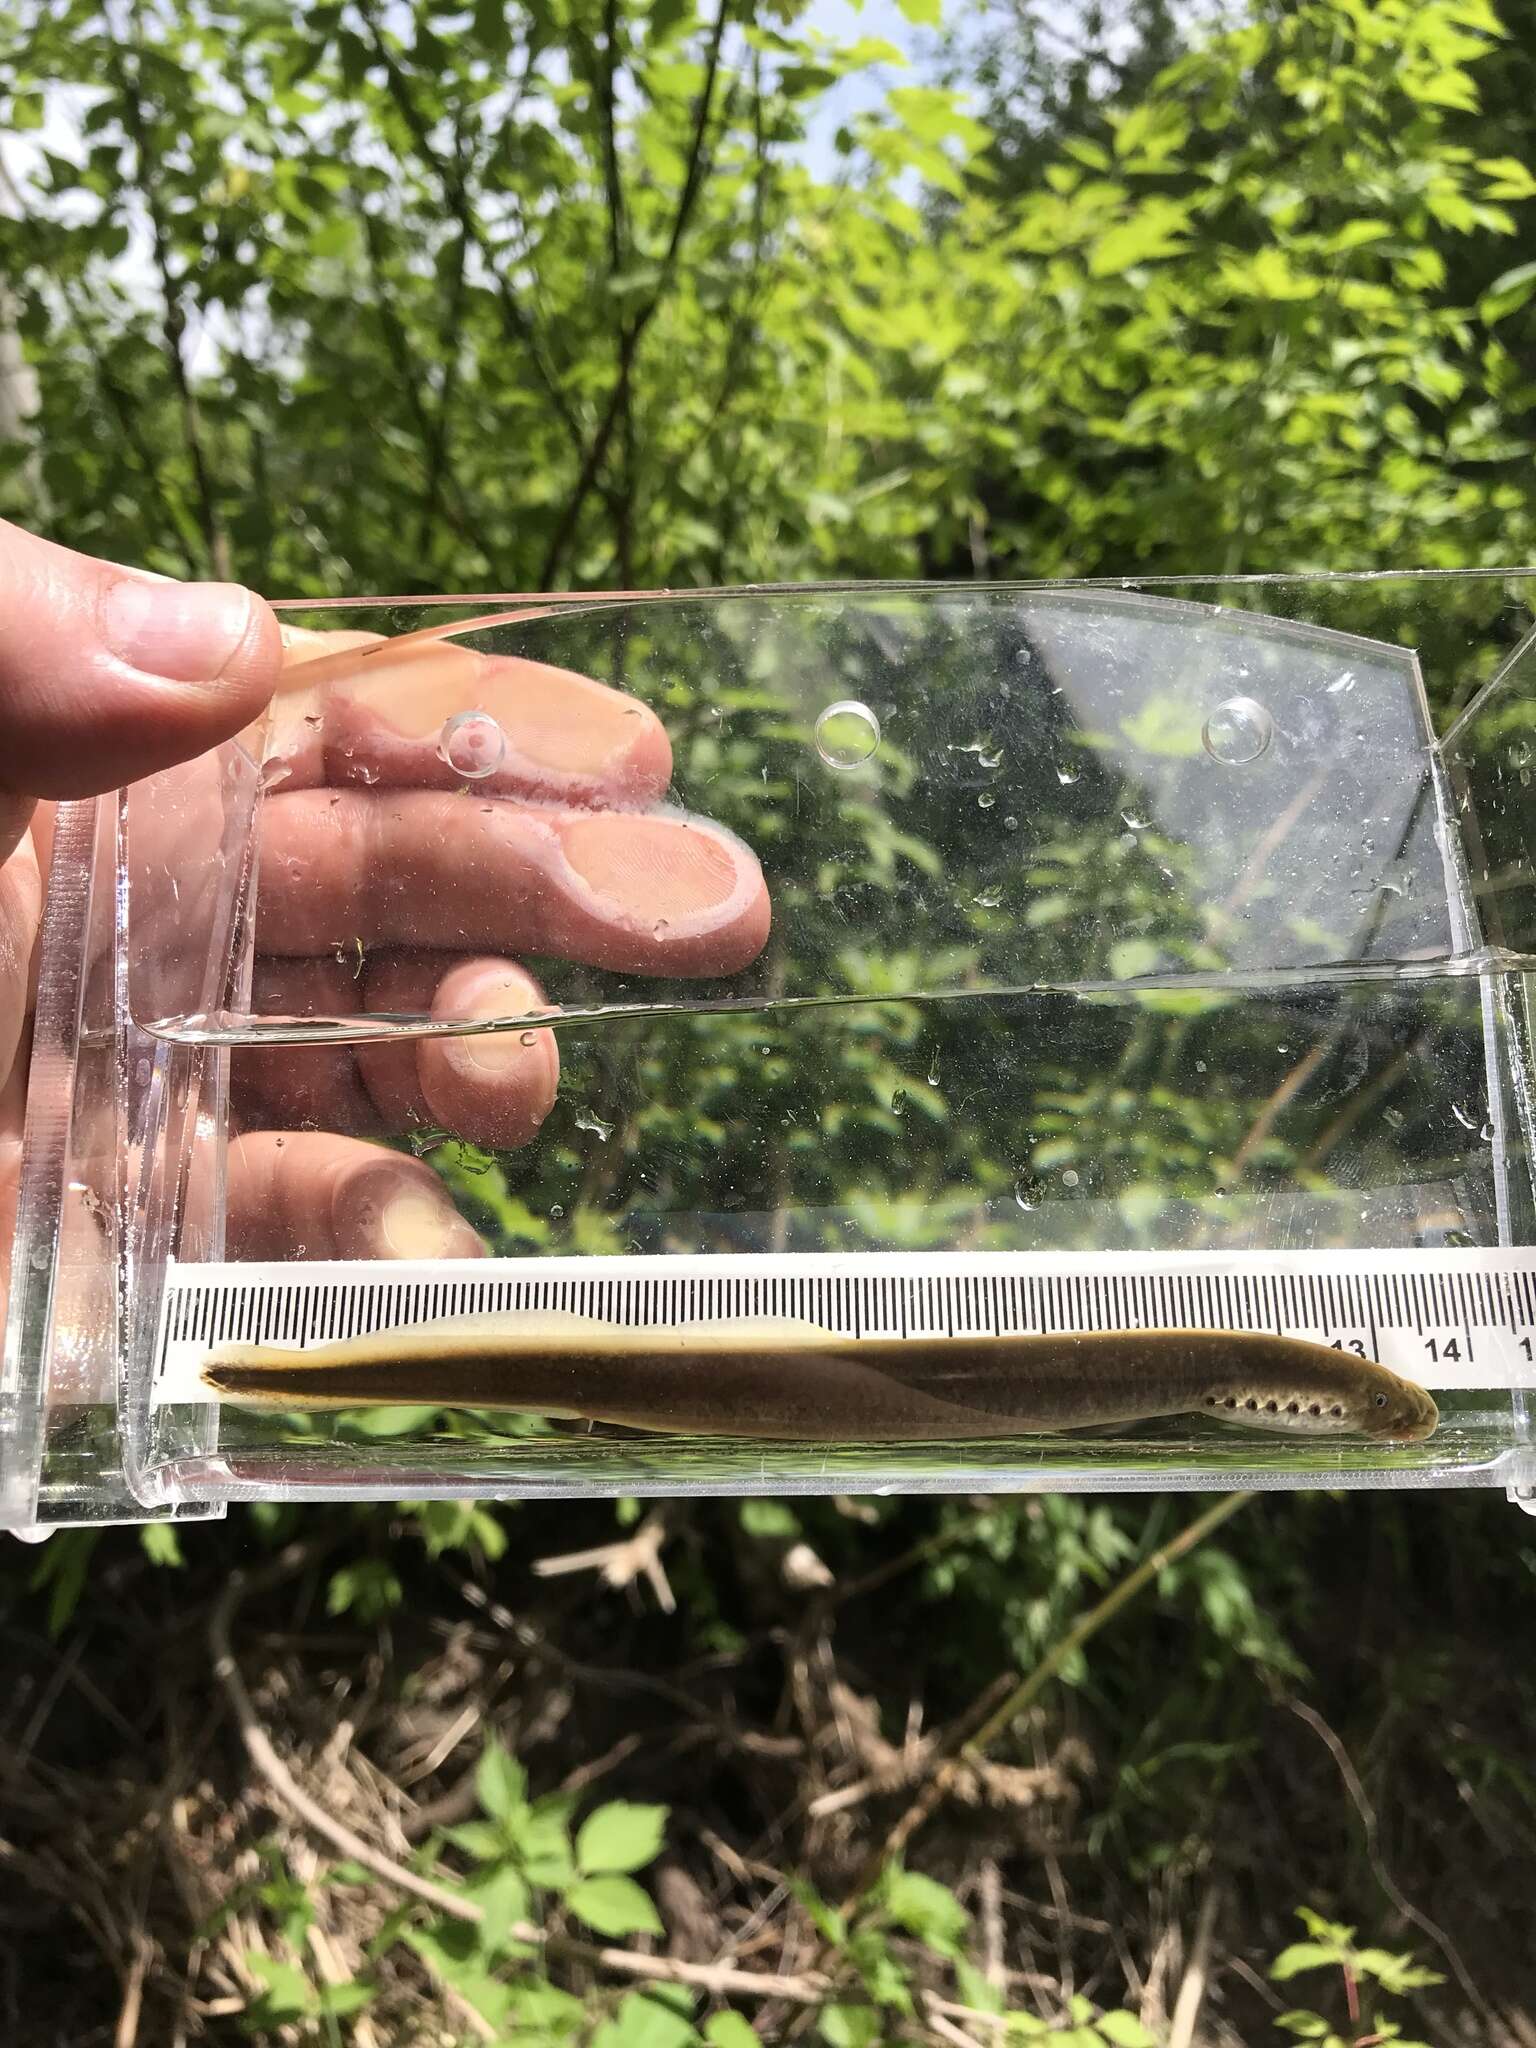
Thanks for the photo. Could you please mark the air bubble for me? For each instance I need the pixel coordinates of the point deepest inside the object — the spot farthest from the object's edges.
(1027, 1193)
(1010, 824)
(986, 800)
(1134, 824)
(1070, 1178)
(847, 733)
(659, 927)
(556, 1210)
(587, 1121)
(1342, 684)
(275, 771)
(987, 899)
(1067, 776)
(1238, 731)
(1486, 1133)
(899, 1102)
(472, 744)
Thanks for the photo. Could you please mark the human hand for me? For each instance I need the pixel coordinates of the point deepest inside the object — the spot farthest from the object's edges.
(108, 675)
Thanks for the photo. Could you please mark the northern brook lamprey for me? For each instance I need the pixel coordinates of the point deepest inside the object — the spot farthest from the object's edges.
(794, 1382)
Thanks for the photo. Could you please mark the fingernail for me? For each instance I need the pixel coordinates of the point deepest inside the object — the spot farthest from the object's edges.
(418, 1226)
(185, 632)
(661, 864)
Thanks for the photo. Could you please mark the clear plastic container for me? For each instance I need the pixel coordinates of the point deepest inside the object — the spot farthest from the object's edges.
(886, 956)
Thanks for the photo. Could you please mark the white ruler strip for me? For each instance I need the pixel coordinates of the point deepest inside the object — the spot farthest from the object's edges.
(1448, 1319)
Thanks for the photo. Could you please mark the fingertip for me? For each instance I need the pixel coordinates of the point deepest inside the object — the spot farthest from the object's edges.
(495, 1088)
(397, 1209)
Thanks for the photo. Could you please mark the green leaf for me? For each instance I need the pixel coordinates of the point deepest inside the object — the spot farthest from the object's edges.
(162, 1543)
(1305, 1955)
(287, 1993)
(620, 1836)
(850, 2026)
(925, 1908)
(1125, 2030)
(826, 1919)
(1155, 230)
(370, 1587)
(645, 2019)
(480, 1839)
(729, 2030)
(502, 1896)
(500, 1783)
(1507, 294)
(922, 13)
(613, 1905)
(770, 1518)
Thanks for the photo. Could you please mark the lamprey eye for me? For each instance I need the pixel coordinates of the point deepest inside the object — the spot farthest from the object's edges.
(1381, 1400)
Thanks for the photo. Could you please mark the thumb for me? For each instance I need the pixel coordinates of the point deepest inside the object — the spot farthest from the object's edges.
(107, 674)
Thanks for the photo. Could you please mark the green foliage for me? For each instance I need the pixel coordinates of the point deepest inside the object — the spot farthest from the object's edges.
(1332, 1947)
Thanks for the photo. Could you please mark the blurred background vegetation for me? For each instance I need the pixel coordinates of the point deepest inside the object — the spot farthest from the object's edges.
(407, 298)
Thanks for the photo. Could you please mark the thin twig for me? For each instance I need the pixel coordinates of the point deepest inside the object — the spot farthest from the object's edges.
(1384, 1878)
(1186, 2008)
(1028, 1689)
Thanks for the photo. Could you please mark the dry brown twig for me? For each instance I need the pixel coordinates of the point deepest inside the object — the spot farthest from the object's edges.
(621, 1564)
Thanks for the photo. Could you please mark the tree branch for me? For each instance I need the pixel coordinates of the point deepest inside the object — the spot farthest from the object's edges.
(618, 398)
(173, 320)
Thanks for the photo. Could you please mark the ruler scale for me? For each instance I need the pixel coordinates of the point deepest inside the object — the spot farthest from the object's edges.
(1458, 1318)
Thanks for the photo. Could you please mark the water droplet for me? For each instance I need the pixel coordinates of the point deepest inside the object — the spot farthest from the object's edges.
(899, 1102)
(1342, 684)
(472, 744)
(1200, 1067)
(659, 927)
(1010, 824)
(1027, 1192)
(528, 1038)
(587, 1121)
(366, 774)
(39, 1257)
(1393, 1118)
(988, 899)
(1486, 1133)
(557, 1210)
(313, 718)
(1467, 1123)
(472, 1160)
(141, 1073)
(933, 1071)
(847, 733)
(1135, 824)
(994, 760)
(1067, 776)
(1070, 1178)
(425, 1141)
(986, 800)
(1238, 731)
(275, 771)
